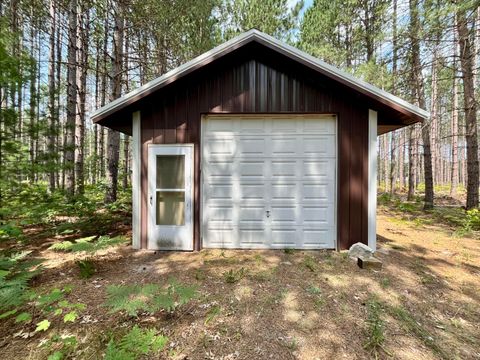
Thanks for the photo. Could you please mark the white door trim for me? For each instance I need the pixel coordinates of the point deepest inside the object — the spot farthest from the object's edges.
(177, 238)
(300, 116)
(372, 179)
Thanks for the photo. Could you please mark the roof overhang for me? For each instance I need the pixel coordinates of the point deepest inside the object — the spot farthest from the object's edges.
(414, 112)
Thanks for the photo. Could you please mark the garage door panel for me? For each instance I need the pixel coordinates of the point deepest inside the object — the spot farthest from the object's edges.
(220, 147)
(282, 146)
(320, 146)
(249, 169)
(283, 168)
(282, 192)
(321, 170)
(219, 213)
(250, 146)
(327, 126)
(317, 238)
(218, 191)
(252, 191)
(284, 237)
(319, 192)
(252, 237)
(317, 216)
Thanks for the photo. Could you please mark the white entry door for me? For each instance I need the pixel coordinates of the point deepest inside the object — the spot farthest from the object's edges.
(170, 184)
(269, 182)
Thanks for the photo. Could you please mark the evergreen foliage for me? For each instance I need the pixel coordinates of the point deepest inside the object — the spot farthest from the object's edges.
(135, 343)
(133, 299)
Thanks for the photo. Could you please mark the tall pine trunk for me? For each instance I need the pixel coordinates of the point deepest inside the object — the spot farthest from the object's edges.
(71, 100)
(420, 99)
(82, 54)
(51, 100)
(113, 137)
(467, 66)
(454, 123)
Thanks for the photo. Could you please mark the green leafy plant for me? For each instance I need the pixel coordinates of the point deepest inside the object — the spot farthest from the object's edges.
(15, 273)
(232, 276)
(60, 346)
(472, 220)
(149, 297)
(87, 268)
(9, 231)
(135, 343)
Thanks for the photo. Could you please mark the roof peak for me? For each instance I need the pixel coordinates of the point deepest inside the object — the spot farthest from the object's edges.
(275, 44)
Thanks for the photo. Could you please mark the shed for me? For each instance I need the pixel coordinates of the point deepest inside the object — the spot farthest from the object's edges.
(255, 145)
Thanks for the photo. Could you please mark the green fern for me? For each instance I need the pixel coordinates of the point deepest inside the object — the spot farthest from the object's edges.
(16, 272)
(135, 343)
(150, 297)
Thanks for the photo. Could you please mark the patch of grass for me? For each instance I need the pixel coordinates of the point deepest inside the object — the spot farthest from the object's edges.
(314, 290)
(232, 276)
(289, 251)
(310, 263)
(375, 327)
(412, 325)
(212, 313)
(292, 344)
(385, 282)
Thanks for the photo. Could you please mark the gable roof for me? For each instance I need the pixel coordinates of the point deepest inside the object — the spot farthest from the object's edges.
(279, 46)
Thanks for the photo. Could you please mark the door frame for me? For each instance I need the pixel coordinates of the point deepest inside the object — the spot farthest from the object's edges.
(172, 149)
(250, 116)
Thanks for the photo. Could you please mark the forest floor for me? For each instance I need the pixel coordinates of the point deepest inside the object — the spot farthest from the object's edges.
(423, 304)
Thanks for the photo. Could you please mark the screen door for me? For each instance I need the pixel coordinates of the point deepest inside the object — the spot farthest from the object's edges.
(170, 183)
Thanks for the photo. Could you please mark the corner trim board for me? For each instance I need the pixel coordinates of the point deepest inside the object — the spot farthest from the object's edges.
(136, 182)
(372, 179)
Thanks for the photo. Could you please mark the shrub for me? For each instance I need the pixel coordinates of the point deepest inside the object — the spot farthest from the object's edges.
(472, 220)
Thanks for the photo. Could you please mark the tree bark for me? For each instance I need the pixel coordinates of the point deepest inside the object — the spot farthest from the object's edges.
(82, 55)
(420, 98)
(454, 123)
(51, 100)
(71, 100)
(113, 137)
(467, 66)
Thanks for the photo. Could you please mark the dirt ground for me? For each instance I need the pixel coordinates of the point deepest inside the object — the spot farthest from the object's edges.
(287, 305)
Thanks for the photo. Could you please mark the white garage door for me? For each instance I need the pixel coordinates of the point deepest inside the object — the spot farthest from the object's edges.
(269, 182)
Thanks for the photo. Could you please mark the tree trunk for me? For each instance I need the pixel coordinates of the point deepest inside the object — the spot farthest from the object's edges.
(82, 54)
(411, 163)
(467, 66)
(454, 124)
(113, 137)
(401, 160)
(393, 178)
(71, 100)
(420, 98)
(51, 100)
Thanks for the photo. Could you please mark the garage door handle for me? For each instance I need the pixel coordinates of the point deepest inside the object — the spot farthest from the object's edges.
(151, 200)
(268, 213)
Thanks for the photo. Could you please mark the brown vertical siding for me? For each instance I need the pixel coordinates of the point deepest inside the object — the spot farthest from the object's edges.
(254, 82)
